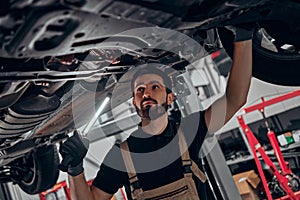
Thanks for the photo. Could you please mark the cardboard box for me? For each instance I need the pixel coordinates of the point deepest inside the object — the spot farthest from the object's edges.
(247, 183)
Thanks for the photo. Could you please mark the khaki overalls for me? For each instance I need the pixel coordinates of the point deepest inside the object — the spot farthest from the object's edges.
(182, 189)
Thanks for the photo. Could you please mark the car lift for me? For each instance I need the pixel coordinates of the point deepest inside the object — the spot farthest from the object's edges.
(285, 175)
(62, 185)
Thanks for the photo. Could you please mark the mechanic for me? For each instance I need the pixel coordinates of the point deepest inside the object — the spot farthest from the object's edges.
(149, 163)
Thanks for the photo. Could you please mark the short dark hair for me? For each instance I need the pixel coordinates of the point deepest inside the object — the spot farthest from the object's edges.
(144, 70)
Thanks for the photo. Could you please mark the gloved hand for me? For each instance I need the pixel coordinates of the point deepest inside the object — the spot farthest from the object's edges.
(242, 32)
(73, 151)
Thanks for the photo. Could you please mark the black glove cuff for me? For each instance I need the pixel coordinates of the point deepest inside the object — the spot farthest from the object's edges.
(243, 35)
(75, 171)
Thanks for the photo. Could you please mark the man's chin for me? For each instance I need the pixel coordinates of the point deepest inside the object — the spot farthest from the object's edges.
(153, 111)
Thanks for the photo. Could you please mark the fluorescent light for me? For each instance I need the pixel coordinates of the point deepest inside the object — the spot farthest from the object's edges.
(89, 125)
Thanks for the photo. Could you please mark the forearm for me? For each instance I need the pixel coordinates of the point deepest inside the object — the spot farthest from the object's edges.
(240, 75)
(222, 110)
(79, 188)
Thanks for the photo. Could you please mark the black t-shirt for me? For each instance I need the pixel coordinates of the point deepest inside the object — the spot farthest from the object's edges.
(156, 158)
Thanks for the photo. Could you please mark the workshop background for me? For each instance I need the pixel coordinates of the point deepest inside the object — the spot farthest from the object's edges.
(228, 157)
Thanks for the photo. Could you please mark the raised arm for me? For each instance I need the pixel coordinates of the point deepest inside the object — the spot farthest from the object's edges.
(222, 110)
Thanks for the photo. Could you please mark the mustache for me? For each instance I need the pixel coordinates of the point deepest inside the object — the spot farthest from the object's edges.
(148, 99)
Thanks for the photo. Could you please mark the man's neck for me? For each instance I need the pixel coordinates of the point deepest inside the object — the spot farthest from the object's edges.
(156, 126)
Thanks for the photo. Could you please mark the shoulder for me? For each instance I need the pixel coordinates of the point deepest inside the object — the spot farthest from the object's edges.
(114, 158)
(197, 118)
(194, 127)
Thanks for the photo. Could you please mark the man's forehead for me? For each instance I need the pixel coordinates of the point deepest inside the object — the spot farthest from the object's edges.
(148, 79)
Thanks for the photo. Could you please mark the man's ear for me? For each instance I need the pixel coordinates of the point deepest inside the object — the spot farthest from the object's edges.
(170, 98)
(133, 102)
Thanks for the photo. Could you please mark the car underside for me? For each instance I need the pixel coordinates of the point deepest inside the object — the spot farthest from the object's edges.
(57, 55)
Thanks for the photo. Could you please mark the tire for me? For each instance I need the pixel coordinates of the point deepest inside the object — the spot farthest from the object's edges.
(281, 68)
(42, 171)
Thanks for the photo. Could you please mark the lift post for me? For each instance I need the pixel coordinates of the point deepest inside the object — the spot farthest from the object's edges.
(282, 176)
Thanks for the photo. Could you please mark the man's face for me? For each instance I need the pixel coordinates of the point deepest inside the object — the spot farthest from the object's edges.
(150, 97)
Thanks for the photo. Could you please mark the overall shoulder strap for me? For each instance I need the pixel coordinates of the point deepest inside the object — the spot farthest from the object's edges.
(133, 179)
(127, 159)
(187, 162)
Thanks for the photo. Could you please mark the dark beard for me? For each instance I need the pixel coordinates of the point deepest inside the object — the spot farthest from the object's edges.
(152, 112)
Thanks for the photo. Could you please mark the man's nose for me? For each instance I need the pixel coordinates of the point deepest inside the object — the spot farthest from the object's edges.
(147, 93)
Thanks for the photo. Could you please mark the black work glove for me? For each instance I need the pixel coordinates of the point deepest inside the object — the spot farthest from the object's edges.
(73, 151)
(242, 32)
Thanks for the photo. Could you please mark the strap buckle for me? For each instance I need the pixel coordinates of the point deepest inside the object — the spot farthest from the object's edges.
(135, 184)
(187, 166)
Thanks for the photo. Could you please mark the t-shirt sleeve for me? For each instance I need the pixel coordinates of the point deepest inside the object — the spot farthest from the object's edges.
(111, 175)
